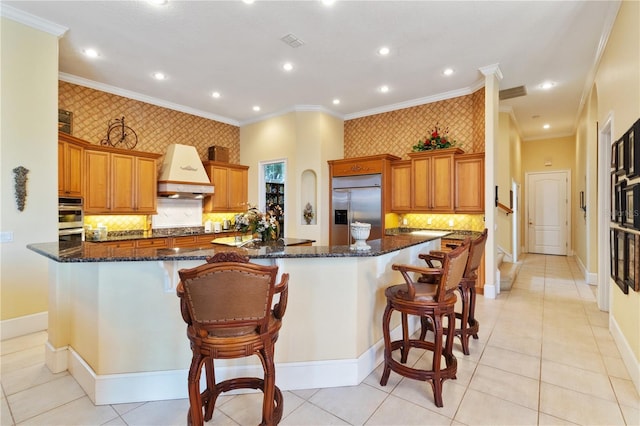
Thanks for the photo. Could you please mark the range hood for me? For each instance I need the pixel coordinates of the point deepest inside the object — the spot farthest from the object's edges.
(182, 174)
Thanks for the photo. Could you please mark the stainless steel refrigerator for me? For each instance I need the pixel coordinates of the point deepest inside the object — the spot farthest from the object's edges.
(355, 199)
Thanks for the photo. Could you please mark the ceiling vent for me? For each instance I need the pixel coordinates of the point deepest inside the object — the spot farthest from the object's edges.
(292, 41)
(514, 92)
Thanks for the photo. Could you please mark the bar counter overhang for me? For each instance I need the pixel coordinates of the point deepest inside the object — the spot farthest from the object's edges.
(115, 324)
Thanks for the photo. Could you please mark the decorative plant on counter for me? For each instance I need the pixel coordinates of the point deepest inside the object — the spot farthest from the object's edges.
(437, 139)
(261, 225)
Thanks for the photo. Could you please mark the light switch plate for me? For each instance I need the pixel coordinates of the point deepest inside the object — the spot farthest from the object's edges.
(6, 237)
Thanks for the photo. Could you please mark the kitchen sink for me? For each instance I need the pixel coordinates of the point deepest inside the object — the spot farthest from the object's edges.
(428, 233)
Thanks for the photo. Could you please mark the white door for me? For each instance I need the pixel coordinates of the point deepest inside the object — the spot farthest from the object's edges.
(547, 211)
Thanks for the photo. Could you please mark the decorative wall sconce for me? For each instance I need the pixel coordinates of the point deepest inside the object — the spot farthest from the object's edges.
(583, 206)
(20, 186)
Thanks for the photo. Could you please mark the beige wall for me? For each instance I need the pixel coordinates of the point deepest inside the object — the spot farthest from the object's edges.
(618, 93)
(503, 181)
(306, 140)
(28, 138)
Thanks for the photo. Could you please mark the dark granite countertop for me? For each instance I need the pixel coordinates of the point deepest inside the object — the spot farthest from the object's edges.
(455, 234)
(70, 252)
(161, 233)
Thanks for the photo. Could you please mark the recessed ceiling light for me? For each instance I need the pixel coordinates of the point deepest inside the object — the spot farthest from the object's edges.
(256, 108)
(328, 2)
(383, 51)
(92, 53)
(287, 66)
(247, 1)
(547, 85)
(546, 126)
(336, 101)
(384, 89)
(159, 76)
(448, 71)
(158, 2)
(215, 95)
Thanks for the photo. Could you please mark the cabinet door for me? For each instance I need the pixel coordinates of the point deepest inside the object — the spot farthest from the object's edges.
(469, 183)
(421, 184)
(220, 198)
(441, 182)
(401, 186)
(70, 169)
(238, 182)
(97, 182)
(146, 186)
(122, 181)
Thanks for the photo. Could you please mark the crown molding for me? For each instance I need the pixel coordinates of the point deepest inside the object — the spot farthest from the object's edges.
(295, 108)
(32, 21)
(491, 69)
(419, 101)
(69, 78)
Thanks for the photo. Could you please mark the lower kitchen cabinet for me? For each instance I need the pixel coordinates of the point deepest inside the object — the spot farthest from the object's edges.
(153, 242)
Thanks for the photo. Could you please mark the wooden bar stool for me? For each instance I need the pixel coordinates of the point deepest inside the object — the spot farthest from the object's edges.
(227, 305)
(469, 325)
(434, 302)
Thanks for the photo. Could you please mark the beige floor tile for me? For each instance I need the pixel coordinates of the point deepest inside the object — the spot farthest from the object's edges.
(308, 393)
(5, 413)
(115, 422)
(568, 355)
(310, 415)
(39, 399)
(514, 362)
(166, 413)
(505, 385)
(547, 420)
(479, 408)
(373, 379)
(516, 343)
(353, 404)
(24, 378)
(578, 407)
(79, 412)
(608, 348)
(616, 368)
(631, 414)
(625, 392)
(246, 408)
(397, 411)
(579, 380)
(125, 408)
(421, 393)
(21, 359)
(28, 341)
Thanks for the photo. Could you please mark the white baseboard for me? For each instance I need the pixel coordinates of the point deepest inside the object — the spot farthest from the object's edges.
(628, 356)
(56, 358)
(172, 384)
(590, 278)
(26, 324)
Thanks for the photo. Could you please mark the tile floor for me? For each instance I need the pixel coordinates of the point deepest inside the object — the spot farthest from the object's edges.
(544, 356)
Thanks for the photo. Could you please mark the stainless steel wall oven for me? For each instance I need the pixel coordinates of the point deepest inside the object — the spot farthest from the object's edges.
(70, 219)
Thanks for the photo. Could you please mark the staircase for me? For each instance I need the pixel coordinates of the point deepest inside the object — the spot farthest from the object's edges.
(508, 270)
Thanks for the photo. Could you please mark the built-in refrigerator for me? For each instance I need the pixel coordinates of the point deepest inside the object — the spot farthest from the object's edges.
(355, 199)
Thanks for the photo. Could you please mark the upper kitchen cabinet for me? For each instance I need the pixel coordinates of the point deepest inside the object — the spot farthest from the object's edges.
(401, 186)
(372, 164)
(432, 180)
(120, 182)
(230, 183)
(70, 165)
(469, 183)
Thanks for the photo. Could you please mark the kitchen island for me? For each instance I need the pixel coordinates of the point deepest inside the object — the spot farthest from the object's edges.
(115, 324)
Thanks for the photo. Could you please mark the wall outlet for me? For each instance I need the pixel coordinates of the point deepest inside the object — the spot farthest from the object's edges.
(429, 221)
(450, 223)
(6, 237)
(405, 222)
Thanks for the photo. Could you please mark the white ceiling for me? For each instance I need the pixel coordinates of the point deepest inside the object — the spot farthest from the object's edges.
(235, 48)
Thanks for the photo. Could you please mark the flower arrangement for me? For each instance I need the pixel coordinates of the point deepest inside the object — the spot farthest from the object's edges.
(307, 213)
(437, 139)
(263, 225)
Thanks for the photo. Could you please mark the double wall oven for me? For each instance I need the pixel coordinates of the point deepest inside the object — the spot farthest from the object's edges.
(70, 219)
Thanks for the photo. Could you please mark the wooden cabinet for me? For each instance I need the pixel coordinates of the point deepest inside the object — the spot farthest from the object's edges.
(70, 165)
(432, 180)
(401, 186)
(469, 183)
(162, 242)
(120, 182)
(369, 165)
(230, 183)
